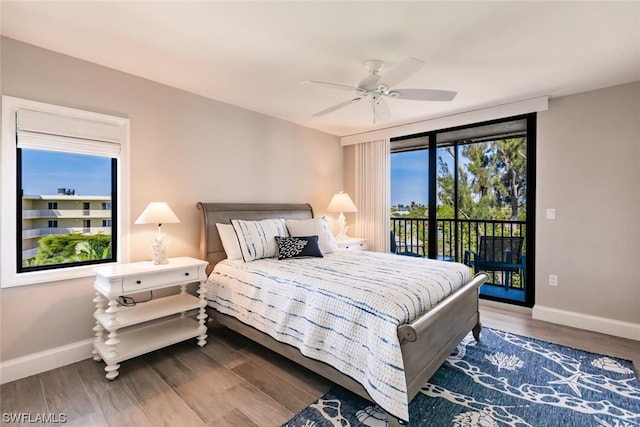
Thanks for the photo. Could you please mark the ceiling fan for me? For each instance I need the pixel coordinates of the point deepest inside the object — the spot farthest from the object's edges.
(377, 87)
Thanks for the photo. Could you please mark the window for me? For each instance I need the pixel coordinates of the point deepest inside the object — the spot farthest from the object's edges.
(41, 175)
(57, 163)
(106, 206)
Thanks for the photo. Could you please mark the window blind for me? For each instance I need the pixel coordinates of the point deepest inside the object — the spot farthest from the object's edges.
(54, 132)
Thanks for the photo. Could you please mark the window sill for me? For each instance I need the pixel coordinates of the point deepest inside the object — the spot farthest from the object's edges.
(12, 279)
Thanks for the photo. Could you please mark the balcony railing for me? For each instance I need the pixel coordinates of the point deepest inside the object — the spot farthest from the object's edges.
(55, 231)
(30, 253)
(66, 213)
(454, 237)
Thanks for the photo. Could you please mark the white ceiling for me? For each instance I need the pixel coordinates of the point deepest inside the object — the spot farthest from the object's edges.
(256, 55)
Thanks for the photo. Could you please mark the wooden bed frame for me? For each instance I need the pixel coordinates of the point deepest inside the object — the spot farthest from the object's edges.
(426, 342)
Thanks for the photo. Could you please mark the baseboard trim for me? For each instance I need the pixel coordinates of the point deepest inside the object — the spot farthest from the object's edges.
(22, 367)
(586, 321)
(503, 306)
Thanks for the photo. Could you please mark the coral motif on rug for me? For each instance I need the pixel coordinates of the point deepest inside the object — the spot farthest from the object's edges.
(503, 380)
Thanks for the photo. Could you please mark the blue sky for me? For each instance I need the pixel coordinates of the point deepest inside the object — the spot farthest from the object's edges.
(43, 172)
(409, 177)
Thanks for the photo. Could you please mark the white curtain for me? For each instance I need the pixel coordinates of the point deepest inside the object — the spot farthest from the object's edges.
(372, 193)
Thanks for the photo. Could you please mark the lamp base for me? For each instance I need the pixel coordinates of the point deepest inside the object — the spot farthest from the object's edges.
(159, 246)
(343, 227)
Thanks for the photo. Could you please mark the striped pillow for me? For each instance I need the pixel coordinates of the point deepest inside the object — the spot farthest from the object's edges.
(257, 238)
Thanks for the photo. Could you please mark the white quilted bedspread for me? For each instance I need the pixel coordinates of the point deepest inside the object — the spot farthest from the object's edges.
(343, 309)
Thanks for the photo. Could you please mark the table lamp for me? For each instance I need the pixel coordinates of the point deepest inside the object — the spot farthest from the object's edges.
(158, 213)
(341, 202)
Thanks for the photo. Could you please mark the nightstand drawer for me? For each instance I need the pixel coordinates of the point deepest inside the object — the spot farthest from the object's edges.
(353, 244)
(160, 279)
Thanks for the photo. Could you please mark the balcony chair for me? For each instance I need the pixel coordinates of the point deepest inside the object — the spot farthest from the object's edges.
(397, 251)
(498, 254)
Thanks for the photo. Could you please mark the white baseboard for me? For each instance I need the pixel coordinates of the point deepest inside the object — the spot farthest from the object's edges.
(503, 306)
(586, 321)
(22, 367)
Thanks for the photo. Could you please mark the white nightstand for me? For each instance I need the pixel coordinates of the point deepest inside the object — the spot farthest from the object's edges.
(167, 321)
(353, 243)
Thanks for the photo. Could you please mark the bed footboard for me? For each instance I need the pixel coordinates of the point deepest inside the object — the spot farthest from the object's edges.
(430, 339)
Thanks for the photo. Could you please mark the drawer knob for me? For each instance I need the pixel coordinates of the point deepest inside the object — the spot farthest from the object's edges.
(138, 281)
(186, 274)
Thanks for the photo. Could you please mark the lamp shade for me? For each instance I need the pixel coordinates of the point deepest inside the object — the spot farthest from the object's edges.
(341, 202)
(157, 213)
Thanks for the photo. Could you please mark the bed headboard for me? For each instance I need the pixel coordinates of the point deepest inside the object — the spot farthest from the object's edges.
(210, 245)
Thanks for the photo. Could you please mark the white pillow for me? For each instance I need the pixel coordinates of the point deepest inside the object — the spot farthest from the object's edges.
(257, 239)
(314, 227)
(229, 241)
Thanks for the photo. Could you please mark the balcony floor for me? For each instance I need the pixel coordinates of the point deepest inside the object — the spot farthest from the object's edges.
(499, 291)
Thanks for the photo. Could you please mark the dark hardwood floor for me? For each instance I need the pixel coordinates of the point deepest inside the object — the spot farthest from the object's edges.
(229, 382)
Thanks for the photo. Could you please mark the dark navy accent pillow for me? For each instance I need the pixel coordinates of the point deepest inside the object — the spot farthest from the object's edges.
(297, 247)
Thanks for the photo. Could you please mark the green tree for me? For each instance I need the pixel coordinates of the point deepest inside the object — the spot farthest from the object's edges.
(512, 159)
(491, 179)
(71, 248)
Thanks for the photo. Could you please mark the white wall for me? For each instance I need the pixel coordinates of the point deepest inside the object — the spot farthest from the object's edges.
(588, 157)
(184, 149)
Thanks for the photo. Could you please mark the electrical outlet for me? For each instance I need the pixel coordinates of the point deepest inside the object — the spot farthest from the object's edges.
(551, 213)
(553, 280)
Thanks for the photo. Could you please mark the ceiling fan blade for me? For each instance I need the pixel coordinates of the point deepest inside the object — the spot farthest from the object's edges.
(336, 107)
(425, 94)
(333, 85)
(402, 71)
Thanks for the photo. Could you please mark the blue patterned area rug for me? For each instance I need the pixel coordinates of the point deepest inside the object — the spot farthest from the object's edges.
(504, 380)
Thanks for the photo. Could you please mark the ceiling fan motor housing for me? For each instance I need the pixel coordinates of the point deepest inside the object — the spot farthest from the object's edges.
(374, 65)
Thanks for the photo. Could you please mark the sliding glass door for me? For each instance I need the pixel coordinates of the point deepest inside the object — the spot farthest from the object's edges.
(472, 201)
